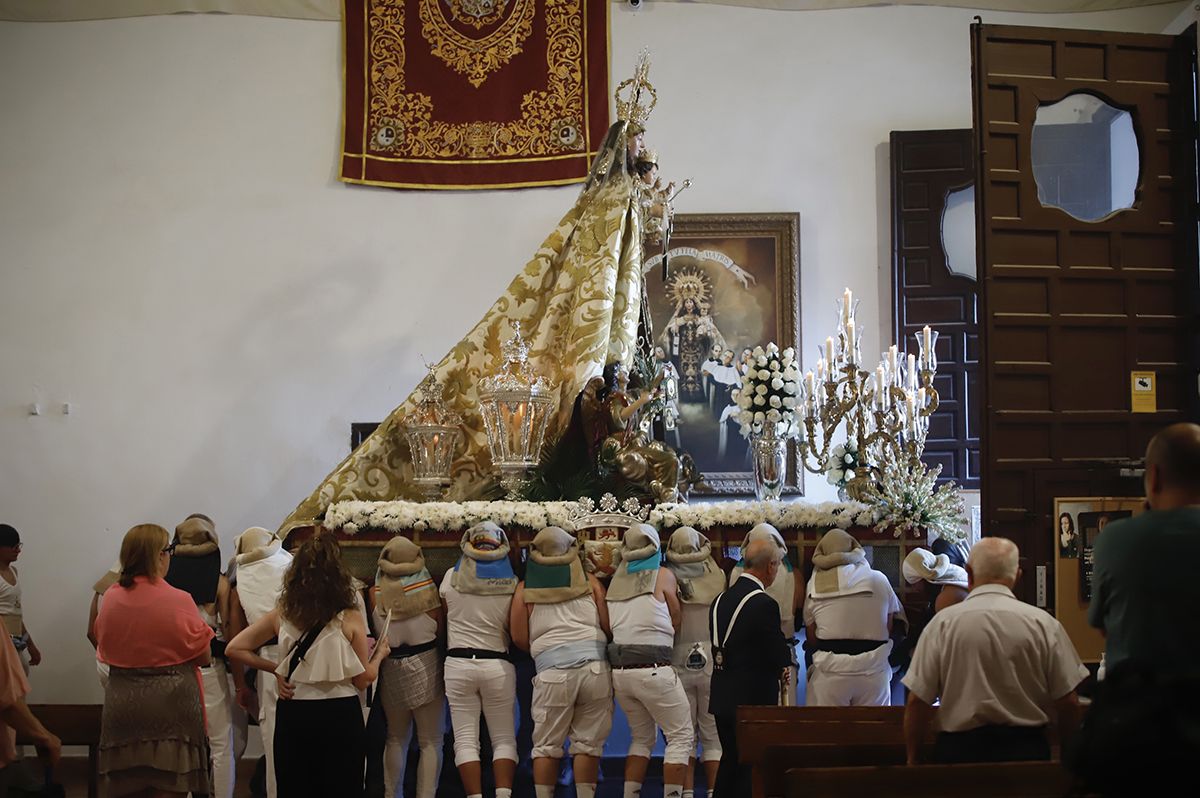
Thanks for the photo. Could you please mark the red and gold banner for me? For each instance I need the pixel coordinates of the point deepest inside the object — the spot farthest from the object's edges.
(462, 94)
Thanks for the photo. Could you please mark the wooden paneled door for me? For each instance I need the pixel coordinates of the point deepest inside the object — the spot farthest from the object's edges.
(927, 165)
(1069, 308)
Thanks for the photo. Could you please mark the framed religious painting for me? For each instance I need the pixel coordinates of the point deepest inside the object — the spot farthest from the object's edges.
(722, 285)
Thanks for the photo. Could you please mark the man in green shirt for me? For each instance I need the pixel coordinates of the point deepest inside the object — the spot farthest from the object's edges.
(1145, 589)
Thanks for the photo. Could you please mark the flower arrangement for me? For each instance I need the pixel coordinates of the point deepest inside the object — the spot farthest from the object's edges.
(907, 498)
(399, 516)
(841, 464)
(770, 393)
(783, 515)
(353, 516)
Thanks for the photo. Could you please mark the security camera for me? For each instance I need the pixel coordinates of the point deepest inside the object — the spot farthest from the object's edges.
(635, 3)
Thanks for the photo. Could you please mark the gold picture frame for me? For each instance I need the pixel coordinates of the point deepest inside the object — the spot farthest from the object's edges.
(746, 269)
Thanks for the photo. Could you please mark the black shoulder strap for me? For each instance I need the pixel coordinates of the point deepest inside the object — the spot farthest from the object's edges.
(301, 648)
(717, 639)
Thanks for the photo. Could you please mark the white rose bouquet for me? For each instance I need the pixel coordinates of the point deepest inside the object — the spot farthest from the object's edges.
(841, 464)
(770, 393)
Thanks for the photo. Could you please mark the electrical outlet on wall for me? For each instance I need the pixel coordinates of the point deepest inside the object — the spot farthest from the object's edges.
(1041, 586)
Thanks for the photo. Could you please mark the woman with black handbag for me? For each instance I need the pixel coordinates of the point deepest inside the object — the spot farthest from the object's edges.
(320, 740)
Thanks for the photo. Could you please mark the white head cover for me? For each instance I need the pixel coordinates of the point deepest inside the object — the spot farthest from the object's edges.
(551, 544)
(554, 573)
(686, 544)
(839, 566)
(640, 541)
(689, 556)
(784, 587)
(933, 568)
(401, 557)
(195, 537)
(405, 586)
(108, 580)
(479, 536)
(764, 531)
(484, 568)
(262, 564)
(638, 572)
(254, 544)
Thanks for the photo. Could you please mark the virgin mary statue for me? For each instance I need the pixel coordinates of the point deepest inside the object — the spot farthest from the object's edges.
(577, 302)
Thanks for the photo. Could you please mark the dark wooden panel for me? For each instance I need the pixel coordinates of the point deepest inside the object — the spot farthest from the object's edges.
(1069, 307)
(926, 166)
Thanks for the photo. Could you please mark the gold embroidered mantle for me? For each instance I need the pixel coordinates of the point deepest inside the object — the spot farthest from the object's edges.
(578, 301)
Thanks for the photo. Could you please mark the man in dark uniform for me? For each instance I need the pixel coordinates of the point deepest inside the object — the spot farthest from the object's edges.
(749, 654)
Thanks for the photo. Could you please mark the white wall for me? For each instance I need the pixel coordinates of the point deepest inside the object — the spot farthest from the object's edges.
(178, 262)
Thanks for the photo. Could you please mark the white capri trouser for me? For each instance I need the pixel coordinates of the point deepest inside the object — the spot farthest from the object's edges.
(219, 716)
(268, 695)
(650, 697)
(488, 686)
(850, 680)
(429, 720)
(696, 686)
(575, 703)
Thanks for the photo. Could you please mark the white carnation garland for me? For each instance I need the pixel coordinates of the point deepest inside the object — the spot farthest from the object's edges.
(401, 516)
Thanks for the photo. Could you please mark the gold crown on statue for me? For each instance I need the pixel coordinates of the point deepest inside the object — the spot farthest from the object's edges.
(648, 156)
(689, 283)
(640, 97)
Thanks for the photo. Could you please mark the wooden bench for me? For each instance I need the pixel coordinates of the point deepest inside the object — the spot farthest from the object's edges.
(774, 739)
(74, 724)
(992, 780)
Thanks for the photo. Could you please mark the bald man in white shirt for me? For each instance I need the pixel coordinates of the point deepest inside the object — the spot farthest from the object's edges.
(997, 664)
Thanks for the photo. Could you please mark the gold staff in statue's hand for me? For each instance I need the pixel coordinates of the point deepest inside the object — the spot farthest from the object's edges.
(686, 185)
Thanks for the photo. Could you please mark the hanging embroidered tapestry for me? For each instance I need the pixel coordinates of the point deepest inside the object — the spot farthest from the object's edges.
(462, 94)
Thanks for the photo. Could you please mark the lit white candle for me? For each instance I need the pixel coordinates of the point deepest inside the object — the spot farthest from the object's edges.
(810, 385)
(829, 349)
(920, 399)
(928, 342)
(850, 341)
(847, 297)
(912, 373)
(893, 363)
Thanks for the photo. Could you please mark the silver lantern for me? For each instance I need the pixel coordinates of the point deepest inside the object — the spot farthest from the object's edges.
(516, 404)
(432, 432)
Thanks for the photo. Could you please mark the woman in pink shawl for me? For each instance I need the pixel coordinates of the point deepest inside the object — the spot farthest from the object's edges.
(152, 739)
